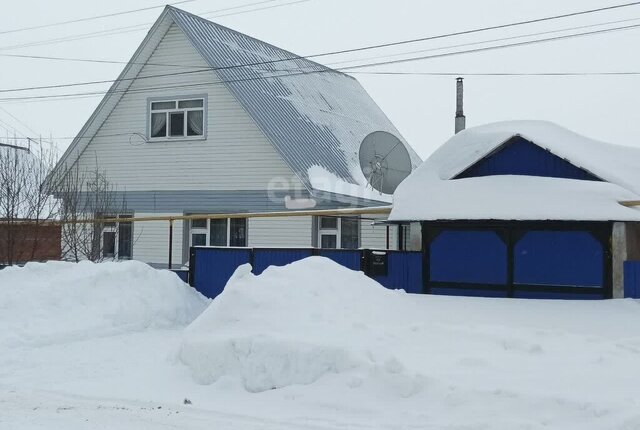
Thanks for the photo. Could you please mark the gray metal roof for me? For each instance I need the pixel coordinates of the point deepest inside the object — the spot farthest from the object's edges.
(313, 115)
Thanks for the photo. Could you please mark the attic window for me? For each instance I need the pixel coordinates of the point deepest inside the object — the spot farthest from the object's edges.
(177, 118)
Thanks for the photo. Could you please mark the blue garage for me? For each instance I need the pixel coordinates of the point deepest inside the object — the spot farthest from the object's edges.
(525, 209)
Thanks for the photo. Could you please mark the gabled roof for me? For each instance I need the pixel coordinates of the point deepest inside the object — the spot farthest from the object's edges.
(314, 116)
(430, 193)
(617, 164)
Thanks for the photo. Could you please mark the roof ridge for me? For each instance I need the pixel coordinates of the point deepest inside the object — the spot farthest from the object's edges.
(295, 56)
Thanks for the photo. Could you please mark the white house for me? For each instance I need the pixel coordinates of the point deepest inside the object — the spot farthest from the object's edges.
(204, 119)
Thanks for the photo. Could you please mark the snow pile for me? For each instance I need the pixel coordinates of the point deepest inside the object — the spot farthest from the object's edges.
(292, 325)
(46, 303)
(430, 193)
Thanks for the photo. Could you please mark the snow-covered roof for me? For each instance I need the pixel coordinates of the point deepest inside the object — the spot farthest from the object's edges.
(312, 115)
(430, 193)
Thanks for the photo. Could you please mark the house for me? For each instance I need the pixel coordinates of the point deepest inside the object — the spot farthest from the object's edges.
(204, 119)
(525, 209)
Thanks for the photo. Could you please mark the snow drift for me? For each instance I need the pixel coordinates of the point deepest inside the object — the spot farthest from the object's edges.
(44, 303)
(292, 325)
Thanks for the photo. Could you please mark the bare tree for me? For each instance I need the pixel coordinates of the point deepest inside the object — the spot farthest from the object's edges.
(25, 206)
(88, 199)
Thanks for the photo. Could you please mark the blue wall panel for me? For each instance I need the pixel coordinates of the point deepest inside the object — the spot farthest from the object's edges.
(182, 274)
(346, 258)
(214, 266)
(471, 256)
(555, 296)
(263, 258)
(521, 157)
(468, 292)
(571, 258)
(404, 272)
(632, 279)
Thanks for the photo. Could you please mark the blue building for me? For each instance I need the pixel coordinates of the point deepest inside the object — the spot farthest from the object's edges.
(525, 209)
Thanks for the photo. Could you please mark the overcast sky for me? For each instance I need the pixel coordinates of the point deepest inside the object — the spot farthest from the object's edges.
(422, 107)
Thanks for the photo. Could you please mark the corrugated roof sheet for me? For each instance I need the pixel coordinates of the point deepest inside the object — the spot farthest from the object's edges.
(313, 115)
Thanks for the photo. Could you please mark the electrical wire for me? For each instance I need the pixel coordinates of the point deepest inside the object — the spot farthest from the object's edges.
(323, 69)
(141, 27)
(201, 69)
(90, 18)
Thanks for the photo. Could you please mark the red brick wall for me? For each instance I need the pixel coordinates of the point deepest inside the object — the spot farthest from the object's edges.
(47, 240)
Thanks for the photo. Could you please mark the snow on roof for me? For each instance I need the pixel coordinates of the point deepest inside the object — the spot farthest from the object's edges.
(429, 193)
(313, 115)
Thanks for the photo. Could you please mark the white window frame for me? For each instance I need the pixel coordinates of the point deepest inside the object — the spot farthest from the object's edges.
(207, 232)
(333, 231)
(167, 112)
(115, 228)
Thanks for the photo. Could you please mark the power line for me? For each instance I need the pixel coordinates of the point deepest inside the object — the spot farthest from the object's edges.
(141, 27)
(407, 73)
(200, 69)
(482, 42)
(324, 69)
(90, 18)
(461, 73)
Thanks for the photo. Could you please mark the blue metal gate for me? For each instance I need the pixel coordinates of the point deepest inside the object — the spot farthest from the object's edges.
(565, 260)
(210, 268)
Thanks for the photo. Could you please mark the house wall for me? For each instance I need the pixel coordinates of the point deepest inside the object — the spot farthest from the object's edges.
(151, 240)
(375, 236)
(234, 156)
(280, 232)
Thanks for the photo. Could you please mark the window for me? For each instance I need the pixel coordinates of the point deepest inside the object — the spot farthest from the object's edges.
(176, 118)
(117, 238)
(198, 232)
(338, 233)
(219, 232)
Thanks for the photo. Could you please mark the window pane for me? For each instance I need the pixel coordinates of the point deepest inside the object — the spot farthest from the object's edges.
(163, 105)
(176, 124)
(158, 125)
(124, 240)
(195, 124)
(349, 230)
(108, 243)
(190, 103)
(238, 232)
(328, 222)
(198, 223)
(328, 241)
(218, 232)
(199, 239)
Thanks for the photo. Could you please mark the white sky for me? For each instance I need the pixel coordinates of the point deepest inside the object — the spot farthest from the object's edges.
(422, 107)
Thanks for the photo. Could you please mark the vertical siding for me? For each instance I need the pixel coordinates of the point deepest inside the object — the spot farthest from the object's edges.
(375, 236)
(234, 156)
(151, 240)
(280, 232)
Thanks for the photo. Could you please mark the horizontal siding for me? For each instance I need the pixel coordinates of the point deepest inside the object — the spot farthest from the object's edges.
(151, 240)
(234, 155)
(375, 236)
(280, 232)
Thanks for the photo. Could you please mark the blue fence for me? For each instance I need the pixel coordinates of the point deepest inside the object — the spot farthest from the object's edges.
(632, 279)
(210, 268)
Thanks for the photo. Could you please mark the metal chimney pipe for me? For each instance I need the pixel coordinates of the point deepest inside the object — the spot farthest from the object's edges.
(461, 120)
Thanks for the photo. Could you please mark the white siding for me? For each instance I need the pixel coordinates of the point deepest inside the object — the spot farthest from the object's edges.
(235, 155)
(375, 236)
(151, 240)
(280, 232)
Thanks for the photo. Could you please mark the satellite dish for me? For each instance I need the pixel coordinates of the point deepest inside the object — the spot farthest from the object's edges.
(384, 160)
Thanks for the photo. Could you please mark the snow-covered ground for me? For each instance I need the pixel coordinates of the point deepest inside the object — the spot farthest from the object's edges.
(308, 346)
